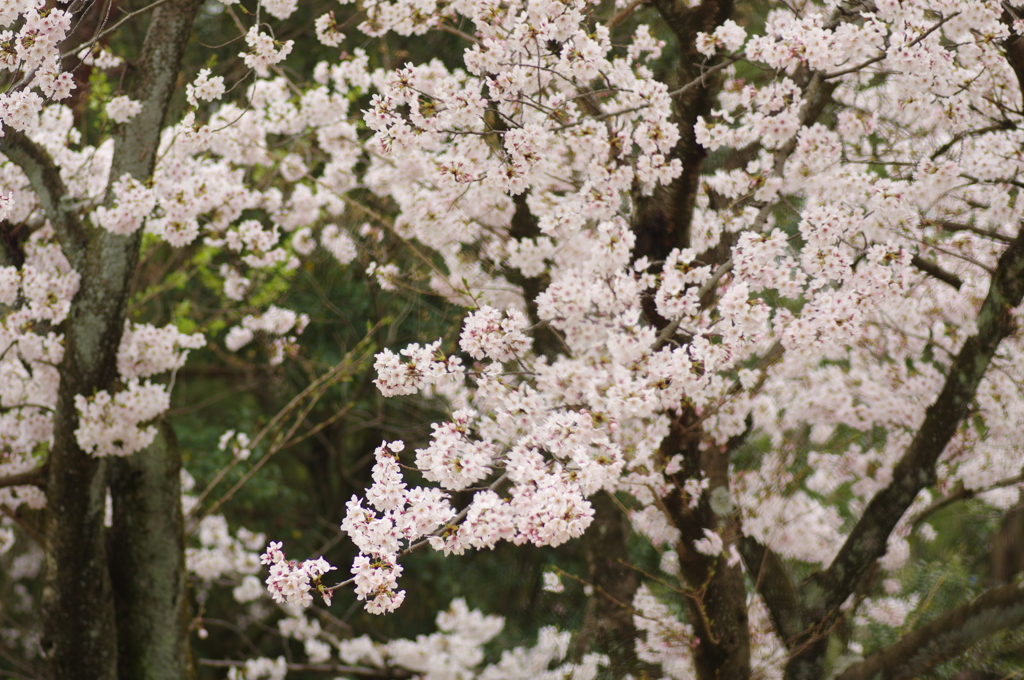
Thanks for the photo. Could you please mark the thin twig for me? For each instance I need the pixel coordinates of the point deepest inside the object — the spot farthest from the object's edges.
(314, 392)
(624, 14)
(669, 330)
(127, 17)
(358, 671)
(873, 60)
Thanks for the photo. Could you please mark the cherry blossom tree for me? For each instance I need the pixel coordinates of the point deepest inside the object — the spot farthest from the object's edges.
(748, 280)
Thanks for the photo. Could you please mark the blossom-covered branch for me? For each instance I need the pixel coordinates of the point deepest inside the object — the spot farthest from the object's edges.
(916, 469)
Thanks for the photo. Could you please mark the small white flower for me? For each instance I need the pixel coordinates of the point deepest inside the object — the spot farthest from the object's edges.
(552, 582)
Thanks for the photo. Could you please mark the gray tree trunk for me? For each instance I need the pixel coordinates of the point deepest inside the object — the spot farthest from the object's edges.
(146, 548)
(80, 636)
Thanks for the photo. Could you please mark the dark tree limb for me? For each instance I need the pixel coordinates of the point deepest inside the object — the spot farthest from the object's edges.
(945, 225)
(27, 526)
(935, 271)
(961, 493)
(1014, 50)
(825, 591)
(146, 545)
(663, 220)
(775, 587)
(80, 636)
(10, 250)
(717, 604)
(45, 180)
(35, 477)
(916, 469)
(945, 637)
(147, 542)
(607, 623)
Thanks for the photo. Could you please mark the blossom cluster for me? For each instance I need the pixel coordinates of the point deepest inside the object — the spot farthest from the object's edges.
(291, 582)
(115, 425)
(221, 554)
(146, 350)
(425, 367)
(285, 324)
(406, 515)
(487, 335)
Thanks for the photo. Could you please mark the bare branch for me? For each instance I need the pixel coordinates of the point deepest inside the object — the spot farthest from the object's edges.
(775, 587)
(357, 671)
(945, 637)
(35, 477)
(701, 80)
(962, 493)
(880, 57)
(956, 226)
(25, 525)
(624, 13)
(110, 29)
(935, 271)
(668, 331)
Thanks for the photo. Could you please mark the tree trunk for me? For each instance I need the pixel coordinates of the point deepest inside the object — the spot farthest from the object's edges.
(79, 636)
(147, 562)
(1008, 548)
(608, 620)
(79, 629)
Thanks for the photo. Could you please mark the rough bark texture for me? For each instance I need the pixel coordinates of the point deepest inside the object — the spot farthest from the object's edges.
(716, 607)
(147, 562)
(663, 220)
(773, 583)
(153, 84)
(80, 639)
(44, 176)
(79, 636)
(147, 542)
(1007, 558)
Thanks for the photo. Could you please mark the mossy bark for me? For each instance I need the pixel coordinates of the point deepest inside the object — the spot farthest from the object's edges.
(80, 636)
(146, 547)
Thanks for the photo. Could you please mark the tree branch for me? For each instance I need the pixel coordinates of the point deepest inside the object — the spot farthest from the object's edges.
(607, 624)
(45, 180)
(961, 493)
(35, 477)
(935, 271)
(916, 469)
(358, 671)
(775, 587)
(945, 637)
(945, 225)
(78, 594)
(110, 29)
